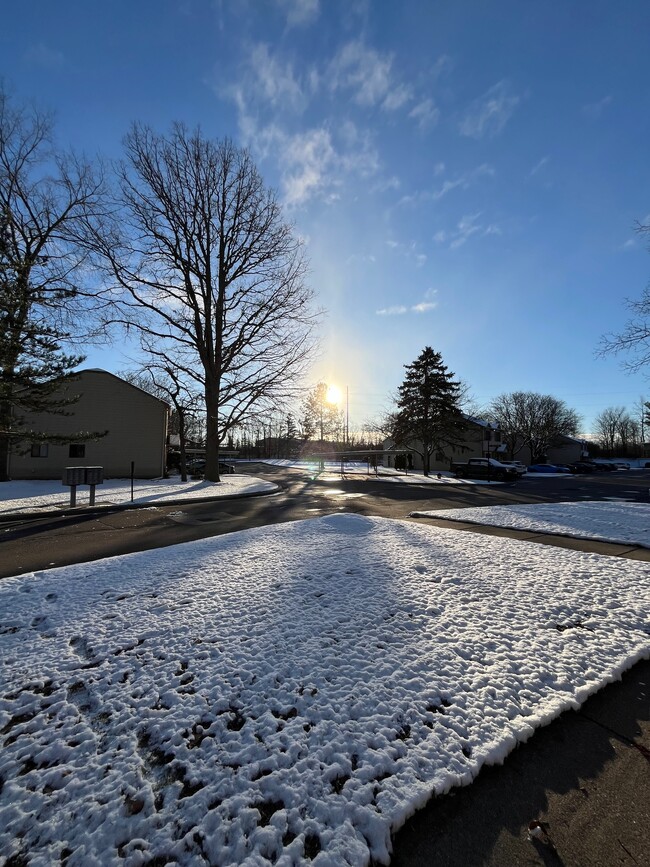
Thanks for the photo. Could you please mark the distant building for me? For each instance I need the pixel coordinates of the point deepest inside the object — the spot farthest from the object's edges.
(481, 439)
(565, 450)
(135, 423)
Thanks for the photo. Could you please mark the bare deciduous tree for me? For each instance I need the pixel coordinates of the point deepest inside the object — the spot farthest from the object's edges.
(206, 267)
(606, 427)
(44, 196)
(320, 417)
(616, 430)
(634, 340)
(533, 421)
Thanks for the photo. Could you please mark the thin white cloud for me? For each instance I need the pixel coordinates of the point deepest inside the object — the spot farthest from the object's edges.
(594, 110)
(409, 250)
(488, 114)
(299, 12)
(397, 97)
(492, 229)
(274, 81)
(426, 114)
(424, 306)
(368, 74)
(364, 259)
(359, 154)
(463, 181)
(443, 65)
(395, 310)
(382, 186)
(313, 163)
(466, 227)
(41, 55)
(309, 158)
(538, 167)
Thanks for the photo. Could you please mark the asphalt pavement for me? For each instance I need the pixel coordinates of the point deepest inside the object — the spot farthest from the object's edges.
(83, 535)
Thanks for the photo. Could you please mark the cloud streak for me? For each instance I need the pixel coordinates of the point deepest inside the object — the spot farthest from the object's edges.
(487, 116)
(424, 306)
(368, 74)
(467, 227)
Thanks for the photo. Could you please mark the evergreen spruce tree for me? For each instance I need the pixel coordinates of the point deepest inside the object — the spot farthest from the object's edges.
(428, 417)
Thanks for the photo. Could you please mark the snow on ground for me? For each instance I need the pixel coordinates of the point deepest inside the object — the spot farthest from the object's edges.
(610, 521)
(27, 496)
(288, 693)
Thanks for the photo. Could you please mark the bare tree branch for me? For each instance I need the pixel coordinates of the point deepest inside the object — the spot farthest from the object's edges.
(46, 197)
(202, 264)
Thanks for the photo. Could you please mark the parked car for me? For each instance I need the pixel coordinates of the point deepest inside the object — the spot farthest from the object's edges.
(546, 468)
(606, 466)
(484, 468)
(521, 468)
(197, 467)
(586, 467)
(622, 465)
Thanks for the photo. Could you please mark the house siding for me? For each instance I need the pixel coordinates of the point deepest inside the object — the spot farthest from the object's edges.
(136, 423)
(474, 446)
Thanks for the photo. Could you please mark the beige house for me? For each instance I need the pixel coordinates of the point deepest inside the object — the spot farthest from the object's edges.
(566, 450)
(135, 423)
(482, 439)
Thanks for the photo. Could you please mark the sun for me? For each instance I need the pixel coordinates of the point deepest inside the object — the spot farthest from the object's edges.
(333, 394)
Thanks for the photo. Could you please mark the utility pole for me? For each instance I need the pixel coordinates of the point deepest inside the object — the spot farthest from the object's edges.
(347, 415)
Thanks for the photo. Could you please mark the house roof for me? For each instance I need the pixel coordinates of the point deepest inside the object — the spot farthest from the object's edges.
(123, 381)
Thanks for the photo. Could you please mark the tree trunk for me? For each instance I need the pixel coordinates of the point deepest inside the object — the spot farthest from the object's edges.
(4, 458)
(212, 436)
(5, 441)
(182, 438)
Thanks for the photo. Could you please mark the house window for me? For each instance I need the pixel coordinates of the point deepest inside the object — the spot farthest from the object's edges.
(77, 450)
(440, 456)
(40, 450)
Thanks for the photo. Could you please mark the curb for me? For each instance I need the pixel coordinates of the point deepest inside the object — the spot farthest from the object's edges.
(124, 507)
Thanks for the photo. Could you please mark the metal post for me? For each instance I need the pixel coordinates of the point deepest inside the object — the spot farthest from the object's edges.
(73, 496)
(92, 495)
(347, 415)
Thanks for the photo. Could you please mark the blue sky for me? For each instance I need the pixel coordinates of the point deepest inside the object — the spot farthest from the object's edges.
(467, 175)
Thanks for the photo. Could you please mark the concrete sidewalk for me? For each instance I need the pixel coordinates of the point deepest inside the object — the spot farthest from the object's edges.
(594, 546)
(585, 778)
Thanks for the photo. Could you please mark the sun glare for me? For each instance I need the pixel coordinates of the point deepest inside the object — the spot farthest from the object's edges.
(333, 394)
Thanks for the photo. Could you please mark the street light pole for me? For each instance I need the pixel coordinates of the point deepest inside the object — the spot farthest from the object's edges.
(347, 415)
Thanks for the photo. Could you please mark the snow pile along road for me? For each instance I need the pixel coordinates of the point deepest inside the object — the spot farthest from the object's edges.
(610, 522)
(29, 496)
(289, 693)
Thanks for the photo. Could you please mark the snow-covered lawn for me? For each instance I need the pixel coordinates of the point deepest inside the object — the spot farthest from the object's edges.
(609, 521)
(288, 693)
(30, 496)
